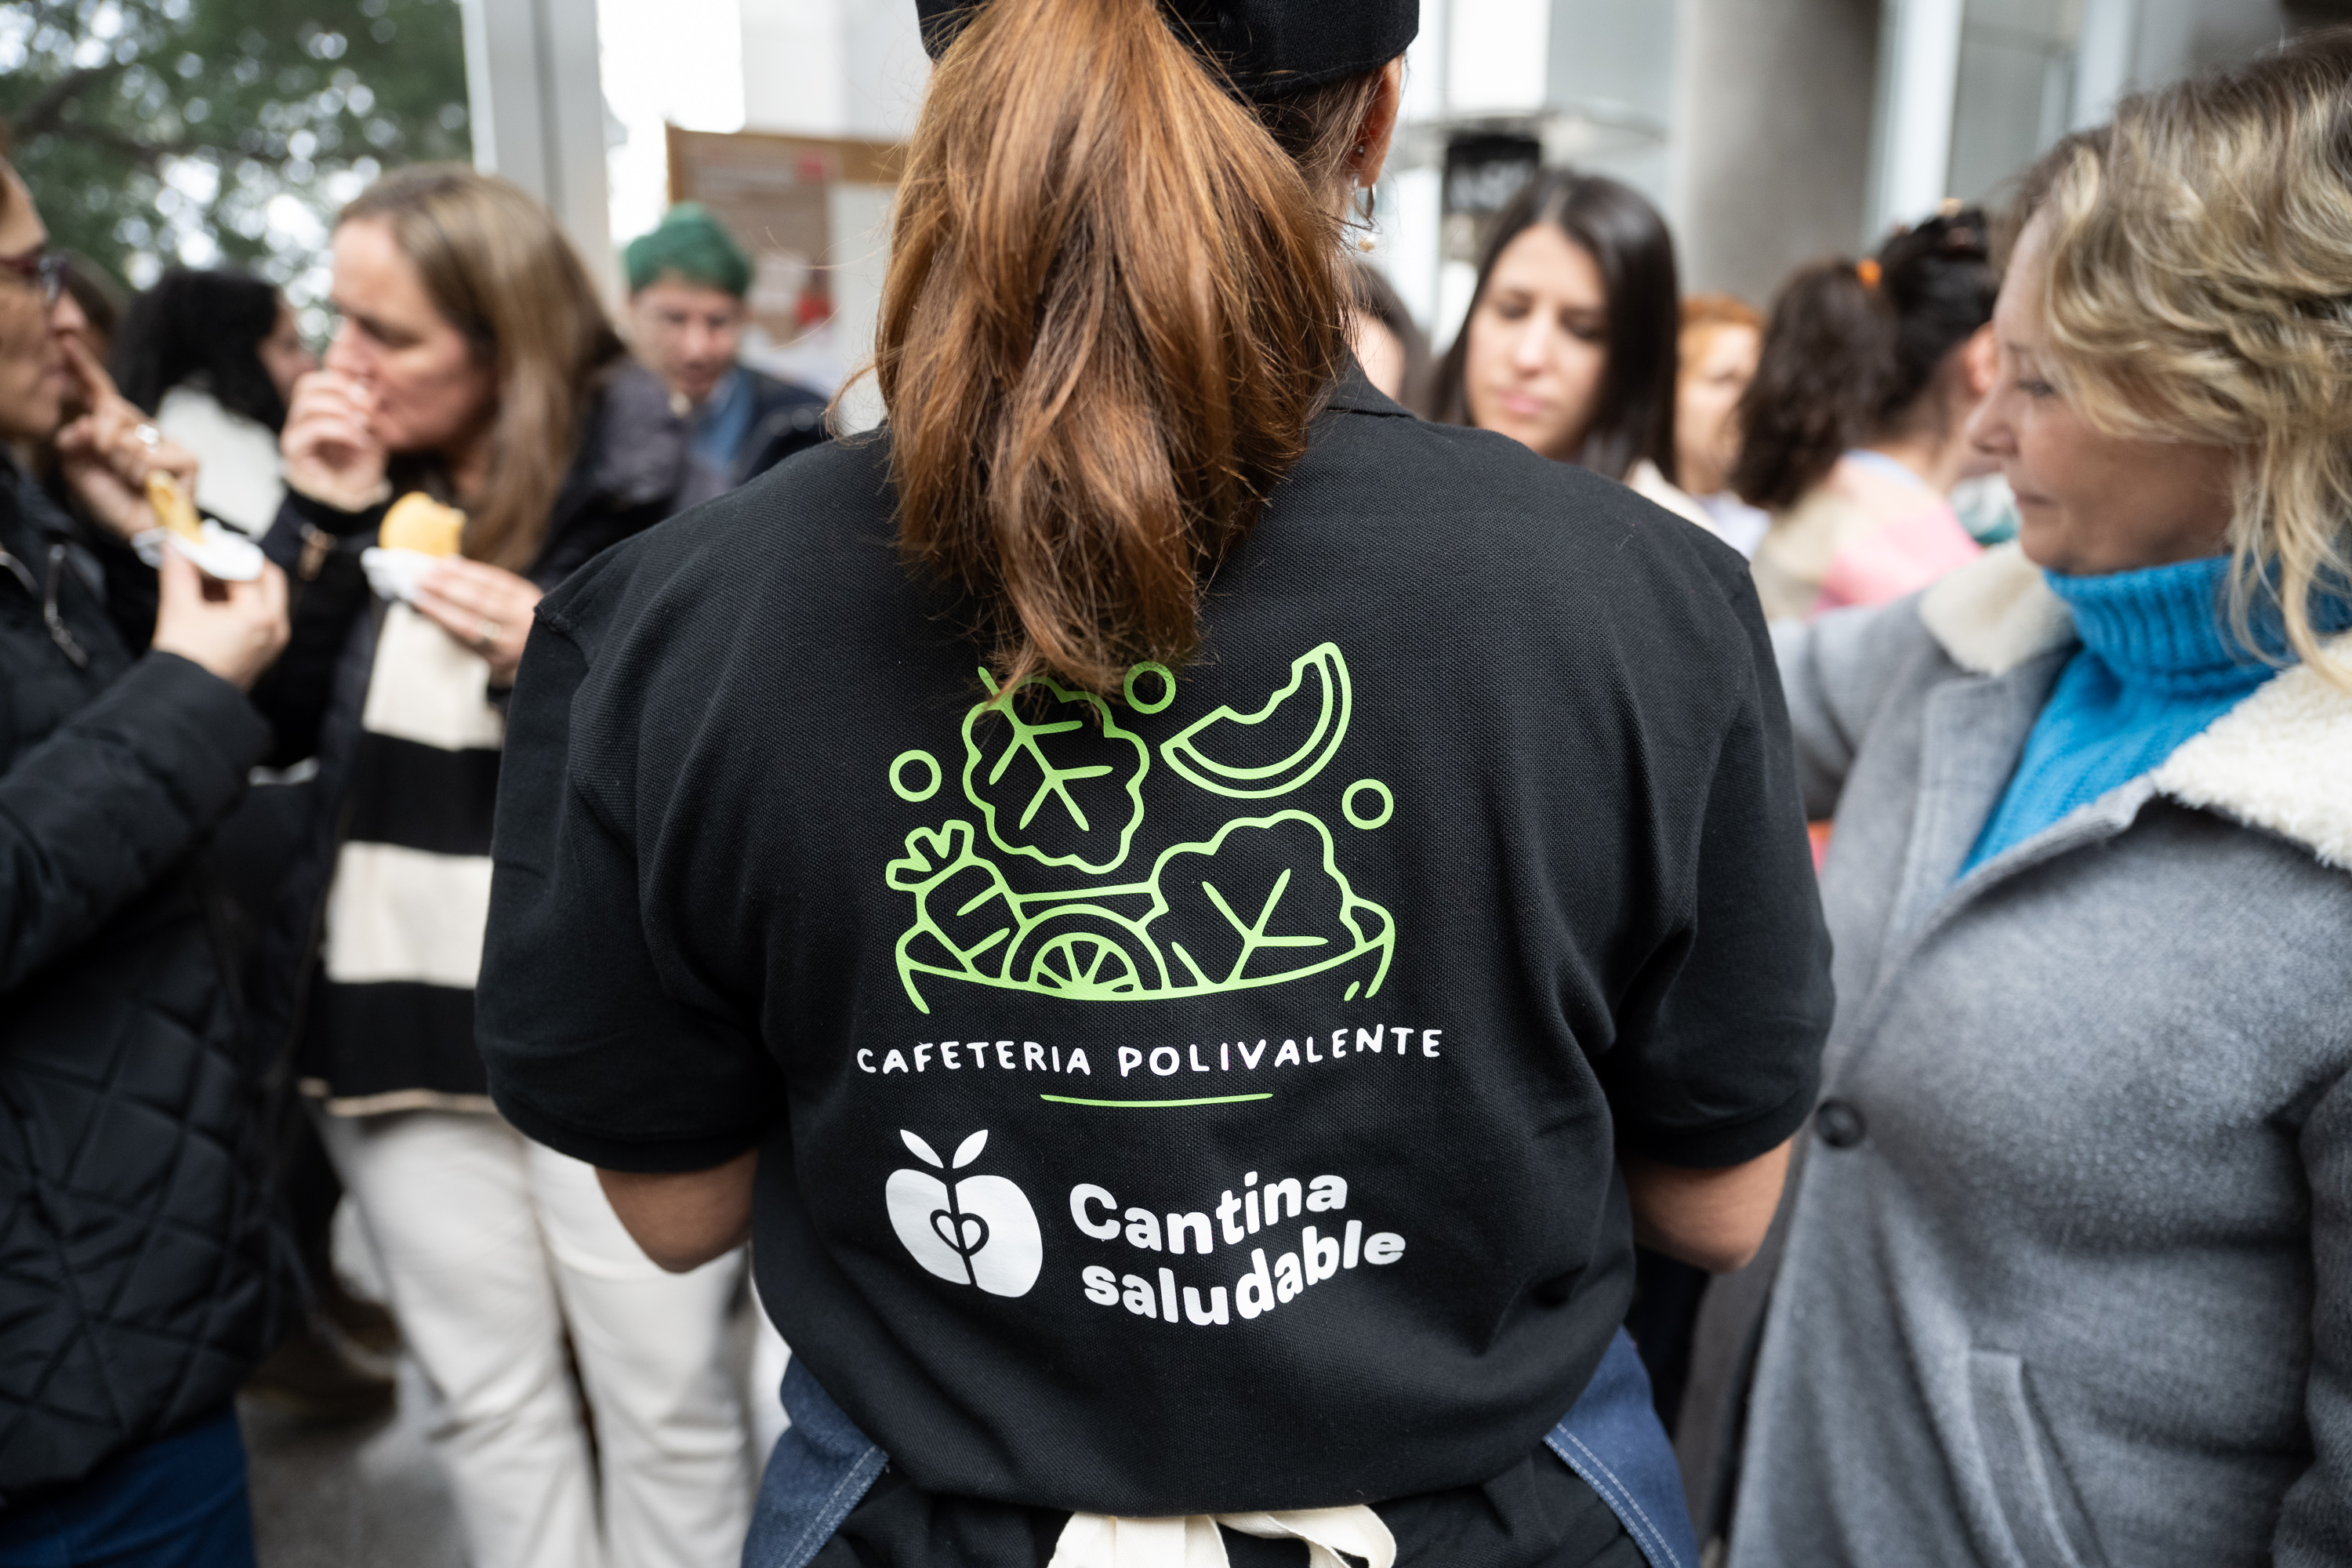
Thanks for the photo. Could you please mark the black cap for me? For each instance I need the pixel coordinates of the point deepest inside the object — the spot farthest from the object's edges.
(1269, 47)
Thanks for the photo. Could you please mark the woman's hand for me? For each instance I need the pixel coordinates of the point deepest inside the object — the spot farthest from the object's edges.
(108, 452)
(330, 453)
(234, 629)
(487, 608)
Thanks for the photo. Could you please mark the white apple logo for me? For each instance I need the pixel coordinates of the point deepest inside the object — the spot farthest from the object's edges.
(983, 1233)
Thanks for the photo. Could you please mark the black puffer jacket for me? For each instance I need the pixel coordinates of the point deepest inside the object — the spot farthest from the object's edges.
(140, 1275)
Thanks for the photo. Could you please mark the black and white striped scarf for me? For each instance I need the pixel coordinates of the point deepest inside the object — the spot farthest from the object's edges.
(394, 1019)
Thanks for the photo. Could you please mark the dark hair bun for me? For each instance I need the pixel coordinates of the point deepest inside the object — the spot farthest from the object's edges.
(1852, 346)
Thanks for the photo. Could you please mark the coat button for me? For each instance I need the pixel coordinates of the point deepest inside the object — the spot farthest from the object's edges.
(1839, 1123)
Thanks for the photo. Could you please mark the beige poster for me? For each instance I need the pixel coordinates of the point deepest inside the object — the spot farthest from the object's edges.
(780, 197)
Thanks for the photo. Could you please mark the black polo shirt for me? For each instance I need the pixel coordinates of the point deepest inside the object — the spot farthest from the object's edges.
(1200, 1100)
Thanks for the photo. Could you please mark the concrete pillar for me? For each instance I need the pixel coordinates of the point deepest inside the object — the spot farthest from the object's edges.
(1612, 78)
(1770, 150)
(538, 115)
(1918, 78)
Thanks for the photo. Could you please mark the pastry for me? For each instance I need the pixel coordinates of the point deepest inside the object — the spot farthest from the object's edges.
(174, 510)
(416, 522)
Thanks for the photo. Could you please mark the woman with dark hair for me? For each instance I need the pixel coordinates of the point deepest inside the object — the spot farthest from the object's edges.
(1153, 1122)
(1571, 345)
(214, 357)
(1854, 431)
(475, 365)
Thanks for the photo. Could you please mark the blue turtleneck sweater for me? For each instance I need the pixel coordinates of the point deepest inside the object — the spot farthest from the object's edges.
(2157, 665)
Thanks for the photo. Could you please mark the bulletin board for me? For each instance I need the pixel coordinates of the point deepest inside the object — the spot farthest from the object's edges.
(780, 195)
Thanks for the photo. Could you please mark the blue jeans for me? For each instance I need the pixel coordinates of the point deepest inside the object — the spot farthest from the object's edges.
(824, 1465)
(177, 1502)
(1613, 1440)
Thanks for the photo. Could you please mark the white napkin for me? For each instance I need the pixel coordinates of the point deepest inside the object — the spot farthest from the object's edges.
(226, 556)
(395, 574)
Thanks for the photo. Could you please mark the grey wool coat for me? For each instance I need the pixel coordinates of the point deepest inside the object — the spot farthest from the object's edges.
(2068, 1275)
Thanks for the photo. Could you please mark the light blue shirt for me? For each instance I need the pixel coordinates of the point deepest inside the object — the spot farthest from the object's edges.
(718, 426)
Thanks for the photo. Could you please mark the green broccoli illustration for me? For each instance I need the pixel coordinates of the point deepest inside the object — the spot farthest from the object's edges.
(1262, 901)
(1057, 780)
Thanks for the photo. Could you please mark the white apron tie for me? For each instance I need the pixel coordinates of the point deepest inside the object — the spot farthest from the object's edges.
(1191, 1541)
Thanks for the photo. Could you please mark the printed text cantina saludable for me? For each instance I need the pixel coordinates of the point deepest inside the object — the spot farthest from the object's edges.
(1262, 1287)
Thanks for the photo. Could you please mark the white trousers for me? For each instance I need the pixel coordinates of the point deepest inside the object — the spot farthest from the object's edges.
(491, 1247)
(769, 1358)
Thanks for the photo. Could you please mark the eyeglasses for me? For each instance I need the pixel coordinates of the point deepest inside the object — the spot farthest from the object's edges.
(44, 269)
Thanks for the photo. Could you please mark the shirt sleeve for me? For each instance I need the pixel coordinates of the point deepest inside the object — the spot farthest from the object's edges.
(1718, 1058)
(588, 1048)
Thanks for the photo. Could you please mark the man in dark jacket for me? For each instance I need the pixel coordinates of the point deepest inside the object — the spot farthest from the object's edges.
(140, 1279)
(688, 280)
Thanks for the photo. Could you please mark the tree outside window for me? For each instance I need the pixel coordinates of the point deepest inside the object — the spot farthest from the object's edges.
(212, 133)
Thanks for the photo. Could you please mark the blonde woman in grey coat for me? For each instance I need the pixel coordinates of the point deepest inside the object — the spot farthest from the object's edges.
(2068, 1275)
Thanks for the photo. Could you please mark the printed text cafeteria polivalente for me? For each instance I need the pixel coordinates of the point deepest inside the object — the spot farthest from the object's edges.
(1163, 1061)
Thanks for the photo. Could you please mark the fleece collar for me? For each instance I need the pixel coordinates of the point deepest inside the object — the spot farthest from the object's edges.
(2281, 760)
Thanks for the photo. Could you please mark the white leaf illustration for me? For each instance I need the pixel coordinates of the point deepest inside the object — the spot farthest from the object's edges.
(970, 1149)
(922, 1151)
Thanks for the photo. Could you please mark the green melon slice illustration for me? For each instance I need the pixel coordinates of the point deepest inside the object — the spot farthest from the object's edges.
(1319, 684)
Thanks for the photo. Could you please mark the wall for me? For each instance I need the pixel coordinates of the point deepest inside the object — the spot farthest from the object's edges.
(832, 67)
(1770, 148)
(840, 68)
(1613, 67)
(2018, 90)
(2178, 37)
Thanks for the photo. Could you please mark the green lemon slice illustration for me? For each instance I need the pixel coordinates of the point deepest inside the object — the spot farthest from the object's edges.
(1085, 954)
(1318, 682)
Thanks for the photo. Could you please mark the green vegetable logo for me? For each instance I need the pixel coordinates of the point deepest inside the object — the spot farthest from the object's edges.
(1065, 791)
(1328, 674)
(1058, 781)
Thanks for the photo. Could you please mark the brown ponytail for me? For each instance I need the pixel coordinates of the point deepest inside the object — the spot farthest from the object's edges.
(1113, 305)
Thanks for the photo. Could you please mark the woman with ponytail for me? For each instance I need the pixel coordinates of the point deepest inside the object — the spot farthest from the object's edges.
(1855, 426)
(1192, 918)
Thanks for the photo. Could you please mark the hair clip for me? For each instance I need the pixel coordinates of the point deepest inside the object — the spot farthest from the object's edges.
(1867, 272)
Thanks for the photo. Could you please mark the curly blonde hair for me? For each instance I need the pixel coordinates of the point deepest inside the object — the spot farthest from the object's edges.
(2198, 287)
